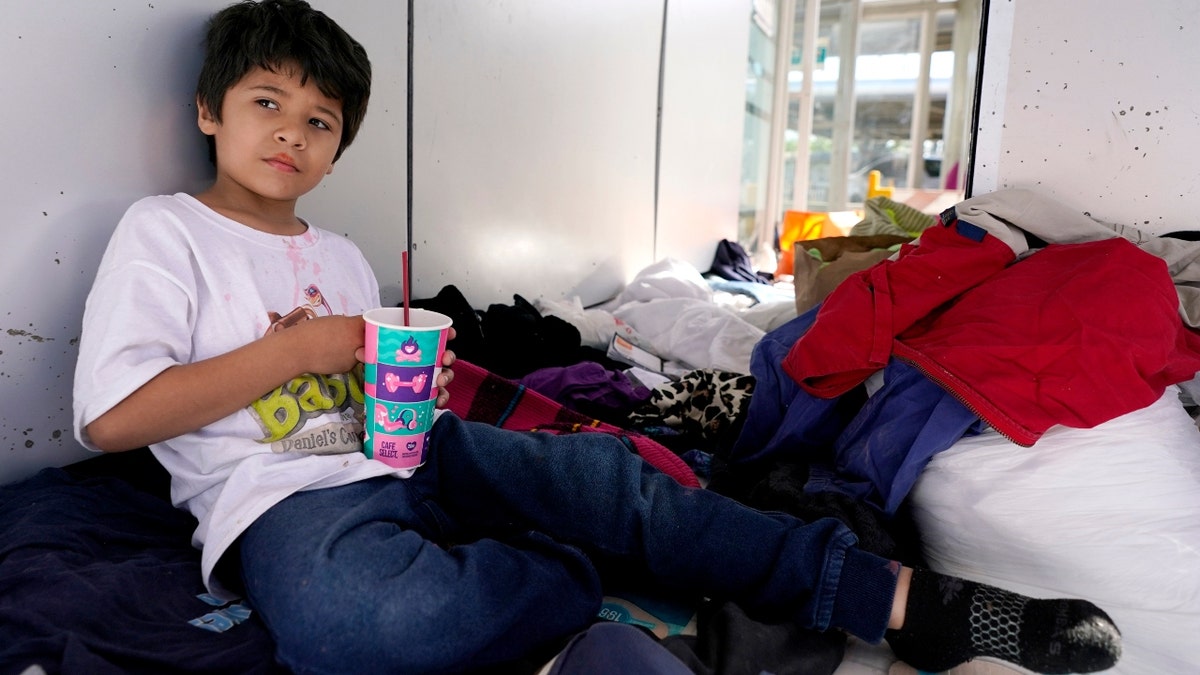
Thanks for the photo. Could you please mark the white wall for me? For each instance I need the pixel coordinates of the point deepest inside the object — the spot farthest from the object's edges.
(536, 141)
(533, 151)
(1096, 103)
(704, 108)
(97, 112)
(534, 157)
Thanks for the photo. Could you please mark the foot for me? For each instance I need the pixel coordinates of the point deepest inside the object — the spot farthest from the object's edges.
(949, 621)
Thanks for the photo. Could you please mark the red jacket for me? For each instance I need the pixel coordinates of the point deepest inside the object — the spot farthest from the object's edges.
(1073, 334)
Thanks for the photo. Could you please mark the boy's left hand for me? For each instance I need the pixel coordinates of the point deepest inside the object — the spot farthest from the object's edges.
(447, 374)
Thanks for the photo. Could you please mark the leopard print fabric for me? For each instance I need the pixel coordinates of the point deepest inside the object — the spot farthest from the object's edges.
(704, 402)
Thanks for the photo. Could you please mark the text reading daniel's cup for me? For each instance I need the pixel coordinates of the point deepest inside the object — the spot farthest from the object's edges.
(400, 382)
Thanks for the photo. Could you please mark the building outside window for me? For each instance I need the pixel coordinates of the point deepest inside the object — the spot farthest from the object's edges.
(859, 86)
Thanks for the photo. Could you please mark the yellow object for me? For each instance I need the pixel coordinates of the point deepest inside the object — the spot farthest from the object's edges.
(873, 187)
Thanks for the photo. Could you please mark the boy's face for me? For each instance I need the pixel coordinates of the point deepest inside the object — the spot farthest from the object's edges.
(276, 138)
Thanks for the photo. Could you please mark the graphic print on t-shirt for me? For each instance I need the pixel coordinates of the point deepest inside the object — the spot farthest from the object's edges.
(284, 413)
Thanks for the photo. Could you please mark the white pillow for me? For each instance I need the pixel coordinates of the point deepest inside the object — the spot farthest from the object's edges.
(1109, 514)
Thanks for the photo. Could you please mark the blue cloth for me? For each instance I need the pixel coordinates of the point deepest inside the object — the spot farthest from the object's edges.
(879, 448)
(732, 262)
(500, 544)
(761, 292)
(98, 575)
(612, 648)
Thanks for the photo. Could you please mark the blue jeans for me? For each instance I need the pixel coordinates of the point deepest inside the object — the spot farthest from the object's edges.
(500, 544)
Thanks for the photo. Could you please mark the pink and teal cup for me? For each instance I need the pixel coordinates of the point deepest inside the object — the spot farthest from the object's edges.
(400, 382)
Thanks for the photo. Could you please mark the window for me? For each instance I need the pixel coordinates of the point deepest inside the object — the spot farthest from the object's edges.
(868, 85)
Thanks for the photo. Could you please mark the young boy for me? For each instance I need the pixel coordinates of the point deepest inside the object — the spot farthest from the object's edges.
(222, 330)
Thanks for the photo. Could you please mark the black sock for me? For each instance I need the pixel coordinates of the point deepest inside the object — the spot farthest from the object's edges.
(949, 621)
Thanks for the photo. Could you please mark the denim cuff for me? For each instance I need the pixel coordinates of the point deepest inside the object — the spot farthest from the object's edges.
(866, 588)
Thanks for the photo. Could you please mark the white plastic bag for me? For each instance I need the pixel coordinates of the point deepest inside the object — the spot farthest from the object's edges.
(1109, 514)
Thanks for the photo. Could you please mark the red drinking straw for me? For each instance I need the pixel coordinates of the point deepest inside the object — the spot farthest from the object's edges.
(404, 282)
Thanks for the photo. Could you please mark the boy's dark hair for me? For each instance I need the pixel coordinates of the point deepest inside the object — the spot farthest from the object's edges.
(274, 34)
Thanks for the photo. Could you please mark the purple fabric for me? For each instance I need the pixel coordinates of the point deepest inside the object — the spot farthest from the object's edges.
(587, 386)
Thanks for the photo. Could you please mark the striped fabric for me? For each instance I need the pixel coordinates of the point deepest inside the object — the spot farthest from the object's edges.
(885, 216)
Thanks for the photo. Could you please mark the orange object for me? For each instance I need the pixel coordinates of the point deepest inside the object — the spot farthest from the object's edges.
(801, 226)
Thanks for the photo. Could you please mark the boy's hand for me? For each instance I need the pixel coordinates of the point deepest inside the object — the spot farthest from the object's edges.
(444, 378)
(447, 374)
(330, 344)
(200, 393)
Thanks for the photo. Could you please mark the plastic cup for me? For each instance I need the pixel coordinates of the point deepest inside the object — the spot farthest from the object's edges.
(400, 382)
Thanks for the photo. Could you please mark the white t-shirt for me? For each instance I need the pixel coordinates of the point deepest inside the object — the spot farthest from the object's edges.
(180, 283)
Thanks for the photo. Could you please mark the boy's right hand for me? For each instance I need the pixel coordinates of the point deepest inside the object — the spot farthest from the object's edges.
(187, 397)
(328, 345)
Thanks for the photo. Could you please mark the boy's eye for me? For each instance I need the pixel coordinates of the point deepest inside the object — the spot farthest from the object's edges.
(267, 103)
(320, 124)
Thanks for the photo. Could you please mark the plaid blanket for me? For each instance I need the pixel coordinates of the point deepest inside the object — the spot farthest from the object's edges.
(482, 396)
